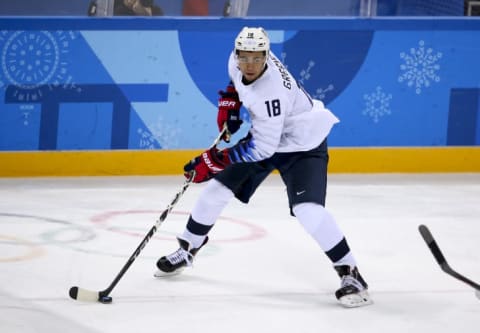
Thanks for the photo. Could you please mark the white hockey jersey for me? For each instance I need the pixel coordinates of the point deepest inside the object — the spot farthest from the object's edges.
(284, 117)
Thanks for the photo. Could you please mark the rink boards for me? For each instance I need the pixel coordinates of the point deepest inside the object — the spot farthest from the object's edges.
(168, 162)
(82, 96)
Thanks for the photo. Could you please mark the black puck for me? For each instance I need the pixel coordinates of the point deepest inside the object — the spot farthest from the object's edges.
(105, 299)
(73, 292)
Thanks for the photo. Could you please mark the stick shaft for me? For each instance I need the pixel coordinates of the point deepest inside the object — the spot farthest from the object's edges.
(154, 228)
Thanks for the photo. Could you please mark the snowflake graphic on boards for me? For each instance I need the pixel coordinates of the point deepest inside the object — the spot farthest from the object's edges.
(305, 75)
(162, 133)
(420, 67)
(320, 93)
(147, 139)
(377, 104)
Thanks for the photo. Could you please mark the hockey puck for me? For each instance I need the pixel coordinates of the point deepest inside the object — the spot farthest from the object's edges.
(105, 299)
(73, 292)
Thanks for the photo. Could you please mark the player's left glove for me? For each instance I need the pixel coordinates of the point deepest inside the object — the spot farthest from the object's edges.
(229, 111)
(207, 165)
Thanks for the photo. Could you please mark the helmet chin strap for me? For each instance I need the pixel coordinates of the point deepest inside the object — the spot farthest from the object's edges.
(267, 55)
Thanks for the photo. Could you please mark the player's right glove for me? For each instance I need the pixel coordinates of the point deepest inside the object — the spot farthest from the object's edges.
(207, 165)
(229, 111)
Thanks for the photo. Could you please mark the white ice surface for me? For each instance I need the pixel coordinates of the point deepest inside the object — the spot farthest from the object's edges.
(260, 273)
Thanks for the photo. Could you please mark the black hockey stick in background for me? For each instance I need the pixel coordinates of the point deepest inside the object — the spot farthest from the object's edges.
(437, 253)
(82, 294)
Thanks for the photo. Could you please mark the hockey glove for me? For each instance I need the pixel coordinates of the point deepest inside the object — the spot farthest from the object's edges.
(207, 165)
(229, 111)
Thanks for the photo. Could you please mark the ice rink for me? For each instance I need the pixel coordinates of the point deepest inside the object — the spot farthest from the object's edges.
(259, 273)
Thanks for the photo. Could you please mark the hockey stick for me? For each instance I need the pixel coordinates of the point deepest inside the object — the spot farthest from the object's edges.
(82, 294)
(437, 253)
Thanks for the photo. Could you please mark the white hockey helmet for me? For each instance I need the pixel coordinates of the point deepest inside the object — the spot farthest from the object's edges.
(253, 40)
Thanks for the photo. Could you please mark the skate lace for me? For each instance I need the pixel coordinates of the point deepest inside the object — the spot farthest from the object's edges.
(349, 280)
(179, 256)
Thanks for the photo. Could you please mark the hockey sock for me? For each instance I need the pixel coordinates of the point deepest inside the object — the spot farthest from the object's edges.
(213, 199)
(321, 225)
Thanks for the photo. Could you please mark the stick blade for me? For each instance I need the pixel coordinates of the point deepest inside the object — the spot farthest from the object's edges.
(440, 258)
(426, 234)
(432, 244)
(83, 295)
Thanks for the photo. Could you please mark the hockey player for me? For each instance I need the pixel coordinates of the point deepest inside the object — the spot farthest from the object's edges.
(289, 133)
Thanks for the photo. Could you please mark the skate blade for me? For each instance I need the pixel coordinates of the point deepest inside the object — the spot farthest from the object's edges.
(361, 298)
(162, 274)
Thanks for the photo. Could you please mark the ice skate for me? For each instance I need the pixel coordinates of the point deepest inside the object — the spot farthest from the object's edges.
(176, 262)
(354, 289)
